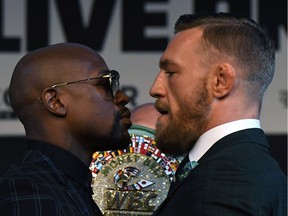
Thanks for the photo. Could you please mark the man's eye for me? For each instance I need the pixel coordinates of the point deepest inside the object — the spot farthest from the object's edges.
(103, 82)
(100, 82)
(169, 73)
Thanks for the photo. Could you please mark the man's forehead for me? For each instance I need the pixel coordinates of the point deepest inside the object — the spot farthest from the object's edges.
(185, 39)
(183, 43)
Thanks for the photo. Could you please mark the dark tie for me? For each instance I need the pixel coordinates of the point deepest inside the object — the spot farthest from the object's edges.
(183, 170)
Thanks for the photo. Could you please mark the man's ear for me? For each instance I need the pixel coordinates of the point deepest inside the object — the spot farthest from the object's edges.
(53, 103)
(224, 78)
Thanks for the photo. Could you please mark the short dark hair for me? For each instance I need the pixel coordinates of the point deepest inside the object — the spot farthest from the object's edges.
(239, 37)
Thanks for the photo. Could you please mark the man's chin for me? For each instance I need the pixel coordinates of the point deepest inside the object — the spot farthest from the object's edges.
(169, 143)
(121, 144)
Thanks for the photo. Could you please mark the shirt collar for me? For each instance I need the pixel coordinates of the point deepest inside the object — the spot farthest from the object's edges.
(207, 140)
(65, 161)
(141, 130)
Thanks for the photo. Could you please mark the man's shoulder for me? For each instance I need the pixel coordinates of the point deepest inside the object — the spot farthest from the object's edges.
(34, 185)
(30, 177)
(34, 167)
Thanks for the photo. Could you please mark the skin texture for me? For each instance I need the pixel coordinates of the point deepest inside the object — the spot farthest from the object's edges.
(76, 117)
(193, 97)
(145, 115)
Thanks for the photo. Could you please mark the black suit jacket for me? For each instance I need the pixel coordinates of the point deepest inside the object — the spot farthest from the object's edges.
(236, 176)
(37, 187)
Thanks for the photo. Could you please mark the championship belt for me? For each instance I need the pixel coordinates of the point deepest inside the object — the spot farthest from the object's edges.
(133, 181)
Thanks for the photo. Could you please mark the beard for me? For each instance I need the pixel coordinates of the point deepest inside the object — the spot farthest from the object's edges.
(186, 126)
(118, 137)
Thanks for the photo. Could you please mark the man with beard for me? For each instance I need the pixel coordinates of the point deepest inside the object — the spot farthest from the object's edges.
(70, 105)
(209, 90)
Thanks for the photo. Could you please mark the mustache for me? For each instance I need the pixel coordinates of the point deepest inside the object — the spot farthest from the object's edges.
(161, 108)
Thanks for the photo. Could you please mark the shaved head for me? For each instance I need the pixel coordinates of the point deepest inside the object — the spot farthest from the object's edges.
(145, 115)
(44, 67)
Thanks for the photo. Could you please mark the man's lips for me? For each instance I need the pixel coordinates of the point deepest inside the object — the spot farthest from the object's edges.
(126, 114)
(161, 109)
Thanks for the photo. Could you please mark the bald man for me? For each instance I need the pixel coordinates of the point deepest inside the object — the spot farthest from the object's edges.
(144, 118)
(70, 105)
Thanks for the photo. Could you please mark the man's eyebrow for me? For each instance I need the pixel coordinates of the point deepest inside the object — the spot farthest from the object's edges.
(103, 72)
(167, 63)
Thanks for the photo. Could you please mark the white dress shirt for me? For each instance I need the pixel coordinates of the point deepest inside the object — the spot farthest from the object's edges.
(207, 140)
